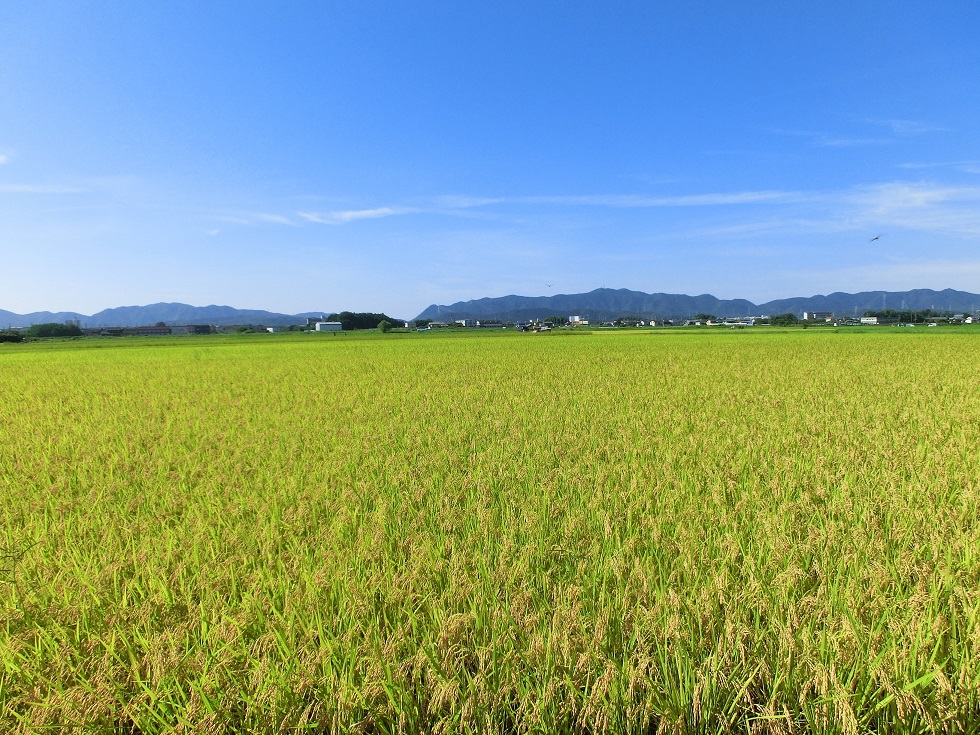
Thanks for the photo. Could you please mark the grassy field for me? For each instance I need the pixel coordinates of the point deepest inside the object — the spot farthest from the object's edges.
(635, 531)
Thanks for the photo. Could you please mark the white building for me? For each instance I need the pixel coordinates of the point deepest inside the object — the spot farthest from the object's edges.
(328, 326)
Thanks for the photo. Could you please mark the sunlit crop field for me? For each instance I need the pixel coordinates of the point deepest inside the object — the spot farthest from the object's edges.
(752, 531)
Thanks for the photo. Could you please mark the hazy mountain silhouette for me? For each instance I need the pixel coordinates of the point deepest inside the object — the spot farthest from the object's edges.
(169, 313)
(608, 303)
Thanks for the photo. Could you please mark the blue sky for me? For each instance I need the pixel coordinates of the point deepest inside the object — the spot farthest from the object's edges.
(378, 156)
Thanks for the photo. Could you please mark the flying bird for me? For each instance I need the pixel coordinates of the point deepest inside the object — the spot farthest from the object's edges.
(875, 238)
(549, 285)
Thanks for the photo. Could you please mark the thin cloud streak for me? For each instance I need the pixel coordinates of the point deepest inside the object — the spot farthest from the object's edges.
(689, 200)
(832, 142)
(343, 217)
(40, 189)
(909, 127)
(452, 204)
(970, 167)
(255, 218)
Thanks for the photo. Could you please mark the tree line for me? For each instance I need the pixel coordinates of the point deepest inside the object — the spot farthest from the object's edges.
(49, 329)
(362, 320)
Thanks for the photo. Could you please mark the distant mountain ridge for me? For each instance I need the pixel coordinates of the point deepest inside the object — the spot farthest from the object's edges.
(600, 304)
(609, 303)
(169, 313)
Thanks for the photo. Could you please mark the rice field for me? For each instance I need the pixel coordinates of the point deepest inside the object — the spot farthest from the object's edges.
(626, 532)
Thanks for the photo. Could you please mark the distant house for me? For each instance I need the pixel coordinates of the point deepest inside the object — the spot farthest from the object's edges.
(817, 316)
(328, 326)
(152, 331)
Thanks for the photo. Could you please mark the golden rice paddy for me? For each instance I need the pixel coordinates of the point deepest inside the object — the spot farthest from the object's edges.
(632, 532)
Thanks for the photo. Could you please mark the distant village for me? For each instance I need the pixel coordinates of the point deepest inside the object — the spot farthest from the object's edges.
(72, 327)
(707, 320)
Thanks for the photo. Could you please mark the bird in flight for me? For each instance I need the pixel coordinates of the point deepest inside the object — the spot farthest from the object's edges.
(549, 285)
(875, 238)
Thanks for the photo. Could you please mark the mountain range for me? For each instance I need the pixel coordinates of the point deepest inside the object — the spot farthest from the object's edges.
(170, 314)
(608, 303)
(600, 304)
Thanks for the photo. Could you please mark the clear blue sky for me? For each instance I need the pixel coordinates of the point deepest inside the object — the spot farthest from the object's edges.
(382, 156)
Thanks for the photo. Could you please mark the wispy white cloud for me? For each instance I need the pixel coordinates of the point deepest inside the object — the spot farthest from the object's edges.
(897, 128)
(312, 217)
(970, 167)
(254, 218)
(460, 205)
(4, 158)
(40, 189)
(922, 207)
(455, 201)
(685, 200)
(908, 127)
(351, 215)
(844, 142)
(769, 227)
(828, 140)
(901, 195)
(273, 219)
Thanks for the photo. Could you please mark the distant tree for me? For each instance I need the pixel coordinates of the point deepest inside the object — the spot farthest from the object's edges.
(422, 323)
(784, 320)
(160, 324)
(556, 320)
(53, 329)
(11, 337)
(243, 329)
(706, 317)
(359, 320)
(384, 326)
